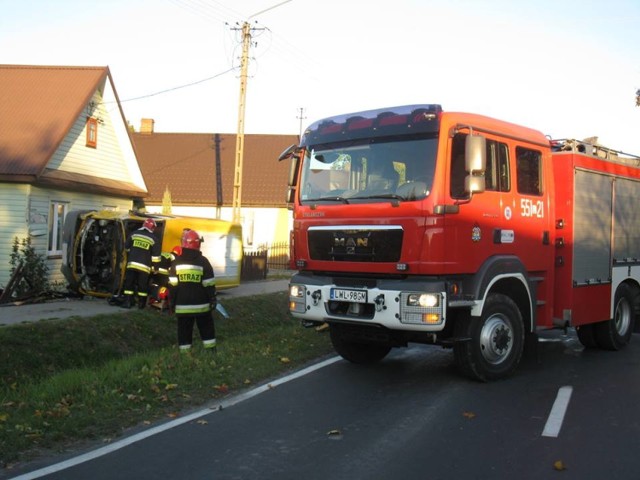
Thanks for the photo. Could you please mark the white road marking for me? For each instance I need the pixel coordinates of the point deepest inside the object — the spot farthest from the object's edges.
(558, 411)
(174, 423)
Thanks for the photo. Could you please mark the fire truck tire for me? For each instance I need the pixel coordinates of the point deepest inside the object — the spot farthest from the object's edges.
(496, 340)
(615, 333)
(356, 352)
(587, 335)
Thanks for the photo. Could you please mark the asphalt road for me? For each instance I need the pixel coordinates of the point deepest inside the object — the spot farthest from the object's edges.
(90, 306)
(411, 417)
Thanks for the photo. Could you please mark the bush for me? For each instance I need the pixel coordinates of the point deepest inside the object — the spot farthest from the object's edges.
(34, 274)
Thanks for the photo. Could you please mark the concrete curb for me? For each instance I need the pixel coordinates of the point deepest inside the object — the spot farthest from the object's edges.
(89, 306)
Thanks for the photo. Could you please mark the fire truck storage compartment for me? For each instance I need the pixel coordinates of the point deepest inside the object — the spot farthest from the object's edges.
(592, 228)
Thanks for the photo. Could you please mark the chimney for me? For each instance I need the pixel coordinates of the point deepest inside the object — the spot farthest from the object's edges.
(146, 125)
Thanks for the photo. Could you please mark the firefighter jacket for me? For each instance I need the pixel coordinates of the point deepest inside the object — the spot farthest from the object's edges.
(191, 283)
(144, 250)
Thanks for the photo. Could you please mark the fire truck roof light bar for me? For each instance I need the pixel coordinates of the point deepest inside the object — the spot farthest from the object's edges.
(393, 120)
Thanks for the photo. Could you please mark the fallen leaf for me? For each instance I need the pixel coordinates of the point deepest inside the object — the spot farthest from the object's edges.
(469, 415)
(222, 388)
(559, 465)
(284, 360)
(171, 386)
(202, 422)
(323, 327)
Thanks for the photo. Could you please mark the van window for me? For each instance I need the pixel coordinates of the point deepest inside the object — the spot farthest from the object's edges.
(529, 171)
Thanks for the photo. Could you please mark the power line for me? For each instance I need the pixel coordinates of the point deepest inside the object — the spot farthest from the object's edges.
(178, 87)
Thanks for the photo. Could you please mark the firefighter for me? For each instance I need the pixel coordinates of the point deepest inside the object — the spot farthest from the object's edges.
(192, 292)
(159, 291)
(143, 254)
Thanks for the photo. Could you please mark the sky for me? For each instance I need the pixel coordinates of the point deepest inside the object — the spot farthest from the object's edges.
(569, 69)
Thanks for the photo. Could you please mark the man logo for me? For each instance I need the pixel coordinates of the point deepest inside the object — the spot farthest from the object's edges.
(350, 243)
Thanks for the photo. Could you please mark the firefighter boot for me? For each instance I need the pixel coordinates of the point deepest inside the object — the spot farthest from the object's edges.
(127, 301)
(142, 302)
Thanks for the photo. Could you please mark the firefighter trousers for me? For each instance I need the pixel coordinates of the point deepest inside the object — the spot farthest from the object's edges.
(136, 282)
(206, 328)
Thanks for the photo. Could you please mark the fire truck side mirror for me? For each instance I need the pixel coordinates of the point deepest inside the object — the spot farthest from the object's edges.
(293, 172)
(475, 163)
(291, 195)
(474, 184)
(475, 160)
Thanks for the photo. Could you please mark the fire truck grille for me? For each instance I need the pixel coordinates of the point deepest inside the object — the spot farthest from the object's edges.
(356, 245)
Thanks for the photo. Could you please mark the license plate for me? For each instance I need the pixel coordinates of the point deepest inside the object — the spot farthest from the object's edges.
(343, 295)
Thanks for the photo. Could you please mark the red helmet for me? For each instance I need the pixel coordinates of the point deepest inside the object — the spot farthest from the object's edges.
(149, 224)
(191, 239)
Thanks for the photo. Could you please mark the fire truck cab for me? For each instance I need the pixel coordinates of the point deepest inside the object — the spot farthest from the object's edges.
(416, 225)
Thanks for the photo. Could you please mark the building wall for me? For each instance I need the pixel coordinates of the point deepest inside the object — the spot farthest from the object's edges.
(13, 223)
(110, 159)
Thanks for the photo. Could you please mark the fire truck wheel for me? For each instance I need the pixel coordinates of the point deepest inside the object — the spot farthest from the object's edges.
(496, 340)
(355, 352)
(587, 336)
(616, 333)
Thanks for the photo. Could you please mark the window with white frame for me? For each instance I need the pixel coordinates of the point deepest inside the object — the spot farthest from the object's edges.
(57, 212)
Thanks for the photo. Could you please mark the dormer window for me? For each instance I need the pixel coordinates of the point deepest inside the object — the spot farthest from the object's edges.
(92, 132)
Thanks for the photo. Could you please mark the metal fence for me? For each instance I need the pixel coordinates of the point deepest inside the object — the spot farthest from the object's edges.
(257, 263)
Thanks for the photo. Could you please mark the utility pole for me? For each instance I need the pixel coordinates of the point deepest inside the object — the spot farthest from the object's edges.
(237, 176)
(218, 176)
(244, 65)
(301, 118)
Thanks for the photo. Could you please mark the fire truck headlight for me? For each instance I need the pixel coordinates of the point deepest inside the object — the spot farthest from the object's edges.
(296, 291)
(420, 308)
(297, 300)
(426, 300)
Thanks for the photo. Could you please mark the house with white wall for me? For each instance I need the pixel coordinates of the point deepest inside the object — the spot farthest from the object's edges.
(64, 145)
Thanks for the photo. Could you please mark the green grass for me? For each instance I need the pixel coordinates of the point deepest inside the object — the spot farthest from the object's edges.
(67, 382)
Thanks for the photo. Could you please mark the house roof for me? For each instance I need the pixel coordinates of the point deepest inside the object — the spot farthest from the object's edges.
(38, 107)
(185, 163)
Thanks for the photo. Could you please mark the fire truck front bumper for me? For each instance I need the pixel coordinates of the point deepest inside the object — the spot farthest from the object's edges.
(395, 304)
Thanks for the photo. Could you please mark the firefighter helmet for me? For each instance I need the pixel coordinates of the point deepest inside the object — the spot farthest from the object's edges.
(149, 224)
(191, 239)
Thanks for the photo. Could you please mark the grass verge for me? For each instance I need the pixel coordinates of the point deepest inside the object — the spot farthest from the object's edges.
(66, 382)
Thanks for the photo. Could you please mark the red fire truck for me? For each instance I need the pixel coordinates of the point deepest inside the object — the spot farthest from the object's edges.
(414, 225)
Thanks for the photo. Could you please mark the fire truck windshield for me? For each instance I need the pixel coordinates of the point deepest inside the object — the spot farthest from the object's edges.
(394, 168)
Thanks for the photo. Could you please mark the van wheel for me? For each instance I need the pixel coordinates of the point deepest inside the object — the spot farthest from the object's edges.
(615, 333)
(496, 340)
(356, 352)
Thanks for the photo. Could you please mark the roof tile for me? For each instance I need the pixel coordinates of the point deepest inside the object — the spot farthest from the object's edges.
(185, 163)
